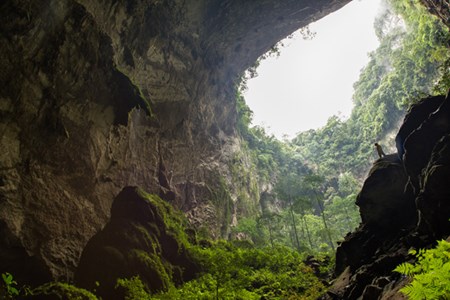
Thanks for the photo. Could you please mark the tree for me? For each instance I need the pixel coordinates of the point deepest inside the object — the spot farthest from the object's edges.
(314, 183)
(288, 189)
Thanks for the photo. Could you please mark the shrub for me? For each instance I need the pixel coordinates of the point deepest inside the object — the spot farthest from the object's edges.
(430, 274)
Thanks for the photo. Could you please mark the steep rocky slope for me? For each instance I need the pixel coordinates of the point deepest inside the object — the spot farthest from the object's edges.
(404, 204)
(99, 95)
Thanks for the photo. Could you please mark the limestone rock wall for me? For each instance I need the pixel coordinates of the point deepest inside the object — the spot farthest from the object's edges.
(404, 203)
(98, 95)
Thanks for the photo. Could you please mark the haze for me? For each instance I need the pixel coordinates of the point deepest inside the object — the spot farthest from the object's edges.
(313, 79)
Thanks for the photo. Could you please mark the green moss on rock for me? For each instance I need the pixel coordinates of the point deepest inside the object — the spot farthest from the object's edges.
(145, 237)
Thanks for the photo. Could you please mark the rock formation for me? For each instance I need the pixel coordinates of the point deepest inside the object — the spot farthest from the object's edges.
(99, 95)
(142, 238)
(404, 204)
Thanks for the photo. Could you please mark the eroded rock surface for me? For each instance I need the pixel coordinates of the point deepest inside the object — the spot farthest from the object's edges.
(99, 95)
(142, 238)
(404, 204)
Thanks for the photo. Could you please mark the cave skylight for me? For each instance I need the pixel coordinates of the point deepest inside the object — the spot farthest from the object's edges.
(312, 79)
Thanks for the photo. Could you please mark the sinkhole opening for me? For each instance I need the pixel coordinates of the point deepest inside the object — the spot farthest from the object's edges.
(314, 118)
(311, 78)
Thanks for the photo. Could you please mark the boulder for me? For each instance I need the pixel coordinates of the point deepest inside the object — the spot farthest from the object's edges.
(98, 95)
(382, 201)
(404, 203)
(144, 238)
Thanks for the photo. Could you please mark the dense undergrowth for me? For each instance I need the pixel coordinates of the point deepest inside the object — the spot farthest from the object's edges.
(236, 272)
(229, 271)
(310, 183)
(313, 182)
(430, 274)
(222, 269)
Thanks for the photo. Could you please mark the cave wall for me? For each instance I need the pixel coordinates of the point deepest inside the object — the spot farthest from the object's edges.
(99, 95)
(404, 204)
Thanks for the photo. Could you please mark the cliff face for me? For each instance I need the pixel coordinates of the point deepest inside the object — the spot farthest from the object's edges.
(99, 95)
(404, 203)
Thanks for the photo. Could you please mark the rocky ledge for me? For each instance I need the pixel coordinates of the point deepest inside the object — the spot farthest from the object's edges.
(404, 203)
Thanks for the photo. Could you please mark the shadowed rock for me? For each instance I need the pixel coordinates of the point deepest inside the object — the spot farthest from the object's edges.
(144, 238)
(420, 143)
(415, 116)
(394, 194)
(94, 94)
(433, 201)
(382, 202)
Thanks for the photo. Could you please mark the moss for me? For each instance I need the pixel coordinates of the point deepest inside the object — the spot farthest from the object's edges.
(152, 261)
(221, 199)
(132, 288)
(244, 176)
(174, 221)
(60, 290)
(144, 237)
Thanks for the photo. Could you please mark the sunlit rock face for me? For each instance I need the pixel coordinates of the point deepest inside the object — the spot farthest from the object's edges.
(98, 95)
(403, 204)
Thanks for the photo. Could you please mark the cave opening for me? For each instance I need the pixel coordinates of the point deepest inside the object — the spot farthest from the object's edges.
(317, 171)
(72, 141)
(310, 76)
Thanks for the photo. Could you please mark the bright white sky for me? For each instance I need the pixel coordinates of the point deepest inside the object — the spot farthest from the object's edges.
(313, 79)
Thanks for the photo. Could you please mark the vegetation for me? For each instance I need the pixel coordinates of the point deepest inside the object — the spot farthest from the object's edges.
(413, 55)
(314, 178)
(430, 274)
(9, 289)
(250, 273)
(229, 272)
(310, 185)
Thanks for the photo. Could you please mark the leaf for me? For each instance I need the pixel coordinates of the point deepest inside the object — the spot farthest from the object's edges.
(404, 268)
(7, 278)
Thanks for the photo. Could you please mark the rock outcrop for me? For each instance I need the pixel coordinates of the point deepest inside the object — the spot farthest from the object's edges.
(404, 203)
(99, 95)
(143, 238)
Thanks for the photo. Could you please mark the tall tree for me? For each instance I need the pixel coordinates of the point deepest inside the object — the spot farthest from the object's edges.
(314, 183)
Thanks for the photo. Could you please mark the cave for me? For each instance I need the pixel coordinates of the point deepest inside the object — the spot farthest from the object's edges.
(100, 95)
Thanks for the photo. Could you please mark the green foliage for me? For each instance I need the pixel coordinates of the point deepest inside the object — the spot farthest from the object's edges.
(133, 288)
(430, 274)
(173, 219)
(8, 288)
(413, 55)
(250, 273)
(61, 290)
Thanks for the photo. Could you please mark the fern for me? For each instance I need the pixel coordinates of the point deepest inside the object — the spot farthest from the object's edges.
(430, 274)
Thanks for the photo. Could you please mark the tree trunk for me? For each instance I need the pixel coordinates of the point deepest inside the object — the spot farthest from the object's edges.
(293, 223)
(327, 230)
(308, 234)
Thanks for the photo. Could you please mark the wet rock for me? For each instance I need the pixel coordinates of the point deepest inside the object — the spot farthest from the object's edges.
(372, 292)
(417, 113)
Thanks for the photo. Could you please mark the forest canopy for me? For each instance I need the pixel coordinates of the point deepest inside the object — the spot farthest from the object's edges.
(313, 179)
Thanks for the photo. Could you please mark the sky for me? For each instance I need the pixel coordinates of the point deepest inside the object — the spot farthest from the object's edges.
(312, 80)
